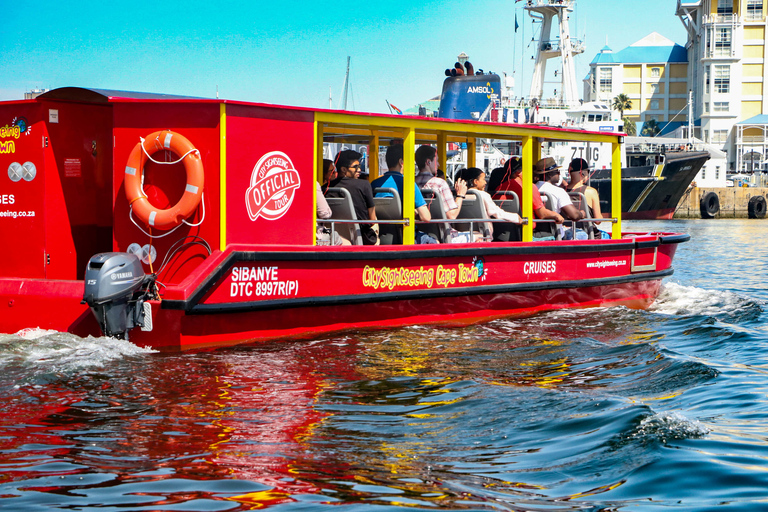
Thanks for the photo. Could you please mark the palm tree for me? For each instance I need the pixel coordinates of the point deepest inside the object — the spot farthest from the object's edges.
(630, 128)
(650, 128)
(622, 103)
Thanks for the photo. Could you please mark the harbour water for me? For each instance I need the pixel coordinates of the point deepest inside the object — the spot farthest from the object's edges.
(601, 409)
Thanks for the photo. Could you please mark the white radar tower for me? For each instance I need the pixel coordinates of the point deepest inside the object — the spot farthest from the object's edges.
(564, 47)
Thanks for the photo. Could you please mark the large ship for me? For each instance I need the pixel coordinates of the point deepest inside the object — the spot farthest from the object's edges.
(655, 174)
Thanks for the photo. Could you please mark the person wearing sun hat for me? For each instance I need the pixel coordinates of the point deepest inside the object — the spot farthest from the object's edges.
(549, 173)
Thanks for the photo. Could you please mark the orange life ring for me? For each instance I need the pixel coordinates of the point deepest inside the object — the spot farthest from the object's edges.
(134, 168)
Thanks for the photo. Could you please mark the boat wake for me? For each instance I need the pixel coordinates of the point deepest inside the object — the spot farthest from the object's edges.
(679, 300)
(667, 426)
(62, 352)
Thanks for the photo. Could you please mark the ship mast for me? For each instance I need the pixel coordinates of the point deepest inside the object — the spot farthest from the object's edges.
(564, 47)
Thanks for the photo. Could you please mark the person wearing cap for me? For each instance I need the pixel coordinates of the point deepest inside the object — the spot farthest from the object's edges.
(579, 171)
(549, 172)
(348, 166)
(512, 180)
(428, 164)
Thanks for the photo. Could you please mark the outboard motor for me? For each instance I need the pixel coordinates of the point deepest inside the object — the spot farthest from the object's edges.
(116, 289)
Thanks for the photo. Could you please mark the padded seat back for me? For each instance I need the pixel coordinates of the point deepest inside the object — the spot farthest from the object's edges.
(472, 207)
(507, 231)
(388, 207)
(340, 201)
(439, 231)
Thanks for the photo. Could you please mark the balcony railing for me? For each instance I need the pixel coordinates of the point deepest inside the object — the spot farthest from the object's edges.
(545, 3)
(721, 18)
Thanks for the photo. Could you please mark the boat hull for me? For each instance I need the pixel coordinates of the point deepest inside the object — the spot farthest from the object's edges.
(651, 191)
(244, 296)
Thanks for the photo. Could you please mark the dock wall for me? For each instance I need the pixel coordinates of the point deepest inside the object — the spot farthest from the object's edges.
(733, 201)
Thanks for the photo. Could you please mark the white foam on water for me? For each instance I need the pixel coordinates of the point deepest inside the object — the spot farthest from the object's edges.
(677, 299)
(670, 425)
(59, 351)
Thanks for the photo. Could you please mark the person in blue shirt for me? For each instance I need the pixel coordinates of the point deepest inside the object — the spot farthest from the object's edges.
(393, 178)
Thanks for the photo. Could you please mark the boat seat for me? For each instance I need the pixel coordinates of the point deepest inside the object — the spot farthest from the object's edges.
(340, 201)
(440, 231)
(507, 231)
(545, 229)
(472, 207)
(579, 200)
(388, 207)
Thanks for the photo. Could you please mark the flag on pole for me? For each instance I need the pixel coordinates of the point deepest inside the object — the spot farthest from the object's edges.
(394, 108)
(516, 25)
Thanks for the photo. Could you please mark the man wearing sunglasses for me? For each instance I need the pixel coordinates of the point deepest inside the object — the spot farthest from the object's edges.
(348, 166)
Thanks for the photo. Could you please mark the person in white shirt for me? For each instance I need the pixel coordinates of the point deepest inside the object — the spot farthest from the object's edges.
(475, 180)
(549, 173)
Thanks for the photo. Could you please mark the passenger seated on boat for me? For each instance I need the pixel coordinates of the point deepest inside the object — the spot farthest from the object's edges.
(579, 171)
(513, 180)
(348, 164)
(427, 164)
(475, 180)
(549, 172)
(393, 178)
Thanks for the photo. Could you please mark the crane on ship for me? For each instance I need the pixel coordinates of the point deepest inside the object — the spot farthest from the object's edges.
(565, 47)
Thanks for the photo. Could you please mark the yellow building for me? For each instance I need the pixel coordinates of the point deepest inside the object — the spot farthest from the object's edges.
(727, 51)
(652, 72)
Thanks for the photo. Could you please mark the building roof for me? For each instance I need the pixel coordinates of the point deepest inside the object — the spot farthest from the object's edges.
(758, 119)
(604, 57)
(653, 48)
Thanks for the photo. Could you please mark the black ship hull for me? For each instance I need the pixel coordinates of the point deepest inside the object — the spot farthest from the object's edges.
(653, 190)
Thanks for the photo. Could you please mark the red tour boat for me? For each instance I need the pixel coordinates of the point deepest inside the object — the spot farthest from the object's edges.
(184, 223)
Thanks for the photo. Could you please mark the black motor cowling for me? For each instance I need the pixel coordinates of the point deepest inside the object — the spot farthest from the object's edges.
(116, 289)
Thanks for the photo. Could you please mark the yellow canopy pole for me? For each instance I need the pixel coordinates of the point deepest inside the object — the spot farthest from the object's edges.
(616, 189)
(319, 152)
(373, 157)
(471, 152)
(318, 171)
(409, 184)
(536, 150)
(527, 177)
(222, 176)
(442, 151)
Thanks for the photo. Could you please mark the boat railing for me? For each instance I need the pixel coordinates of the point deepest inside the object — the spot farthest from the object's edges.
(523, 221)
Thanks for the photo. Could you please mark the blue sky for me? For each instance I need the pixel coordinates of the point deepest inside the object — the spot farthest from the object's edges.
(292, 52)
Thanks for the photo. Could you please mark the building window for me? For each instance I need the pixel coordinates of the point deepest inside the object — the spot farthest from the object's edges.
(653, 118)
(706, 107)
(654, 105)
(721, 106)
(754, 9)
(722, 41)
(722, 79)
(707, 72)
(655, 72)
(606, 79)
(719, 136)
(654, 88)
(724, 7)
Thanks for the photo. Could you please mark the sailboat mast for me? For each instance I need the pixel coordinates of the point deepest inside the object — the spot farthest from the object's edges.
(346, 87)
